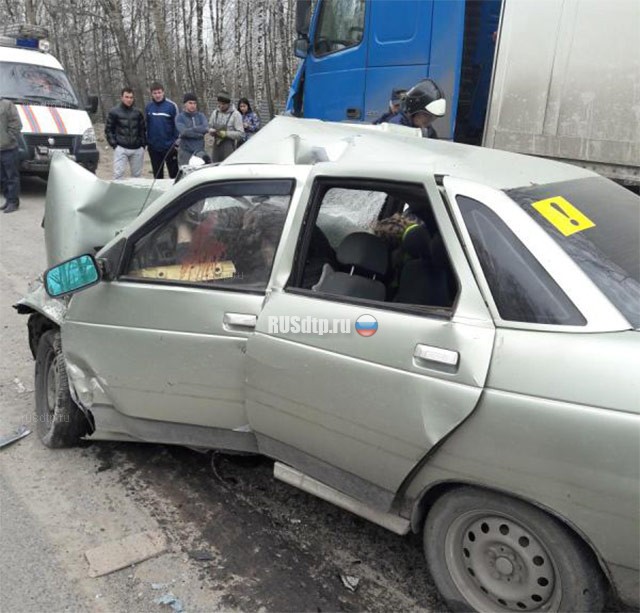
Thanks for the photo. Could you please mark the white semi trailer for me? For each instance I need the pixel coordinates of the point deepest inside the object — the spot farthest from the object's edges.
(566, 84)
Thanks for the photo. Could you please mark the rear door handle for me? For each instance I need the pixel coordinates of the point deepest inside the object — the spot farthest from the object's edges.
(243, 321)
(354, 113)
(427, 355)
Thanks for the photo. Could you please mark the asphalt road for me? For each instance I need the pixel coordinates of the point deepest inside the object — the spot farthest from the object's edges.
(266, 546)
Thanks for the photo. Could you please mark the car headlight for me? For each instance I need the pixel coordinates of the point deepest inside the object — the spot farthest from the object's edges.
(89, 137)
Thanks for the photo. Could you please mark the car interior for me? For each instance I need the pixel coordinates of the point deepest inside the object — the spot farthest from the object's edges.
(379, 243)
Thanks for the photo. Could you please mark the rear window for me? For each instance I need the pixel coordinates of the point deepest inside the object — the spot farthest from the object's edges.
(597, 223)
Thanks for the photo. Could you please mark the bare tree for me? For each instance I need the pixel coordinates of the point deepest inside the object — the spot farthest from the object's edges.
(200, 45)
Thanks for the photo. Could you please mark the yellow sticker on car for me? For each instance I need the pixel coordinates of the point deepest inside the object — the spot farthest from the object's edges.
(563, 215)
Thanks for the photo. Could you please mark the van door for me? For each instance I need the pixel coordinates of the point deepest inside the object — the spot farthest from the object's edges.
(411, 40)
(398, 50)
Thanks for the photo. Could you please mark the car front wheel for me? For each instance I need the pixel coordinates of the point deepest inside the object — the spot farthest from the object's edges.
(59, 421)
(489, 552)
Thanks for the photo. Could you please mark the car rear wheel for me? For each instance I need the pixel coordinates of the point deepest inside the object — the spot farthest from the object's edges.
(489, 552)
(59, 421)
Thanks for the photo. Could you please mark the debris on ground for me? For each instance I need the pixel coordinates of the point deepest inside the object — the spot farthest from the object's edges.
(172, 601)
(113, 556)
(200, 555)
(19, 433)
(20, 386)
(351, 582)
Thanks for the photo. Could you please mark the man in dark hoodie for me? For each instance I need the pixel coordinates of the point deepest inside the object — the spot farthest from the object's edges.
(192, 126)
(162, 133)
(126, 133)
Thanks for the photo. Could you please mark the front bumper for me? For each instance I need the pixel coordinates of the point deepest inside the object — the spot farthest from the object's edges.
(36, 151)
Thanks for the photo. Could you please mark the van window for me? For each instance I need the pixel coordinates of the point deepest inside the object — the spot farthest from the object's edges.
(36, 85)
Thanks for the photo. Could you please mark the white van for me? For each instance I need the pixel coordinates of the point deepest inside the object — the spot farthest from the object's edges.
(53, 118)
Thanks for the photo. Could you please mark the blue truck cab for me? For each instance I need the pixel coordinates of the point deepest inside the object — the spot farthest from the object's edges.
(354, 52)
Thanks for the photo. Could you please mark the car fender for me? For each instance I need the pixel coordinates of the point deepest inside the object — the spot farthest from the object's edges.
(553, 455)
(50, 311)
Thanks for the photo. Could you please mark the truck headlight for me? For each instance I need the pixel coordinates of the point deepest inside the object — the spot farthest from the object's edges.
(89, 137)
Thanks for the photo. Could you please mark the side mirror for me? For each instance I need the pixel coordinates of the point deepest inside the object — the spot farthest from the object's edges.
(72, 275)
(92, 107)
(301, 48)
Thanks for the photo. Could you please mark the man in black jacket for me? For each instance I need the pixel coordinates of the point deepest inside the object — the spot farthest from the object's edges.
(126, 133)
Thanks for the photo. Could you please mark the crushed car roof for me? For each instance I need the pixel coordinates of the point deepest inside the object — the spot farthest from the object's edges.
(289, 140)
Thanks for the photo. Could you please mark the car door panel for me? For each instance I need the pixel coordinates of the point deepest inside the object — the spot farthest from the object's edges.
(374, 417)
(183, 365)
(173, 352)
(368, 406)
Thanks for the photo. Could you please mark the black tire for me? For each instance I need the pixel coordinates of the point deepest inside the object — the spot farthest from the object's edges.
(59, 421)
(489, 552)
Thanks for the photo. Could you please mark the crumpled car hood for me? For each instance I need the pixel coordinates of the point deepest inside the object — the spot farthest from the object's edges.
(83, 212)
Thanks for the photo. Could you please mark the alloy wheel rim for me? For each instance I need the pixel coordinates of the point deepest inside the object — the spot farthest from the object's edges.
(498, 564)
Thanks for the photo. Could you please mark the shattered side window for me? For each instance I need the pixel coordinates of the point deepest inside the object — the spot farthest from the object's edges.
(344, 211)
(223, 239)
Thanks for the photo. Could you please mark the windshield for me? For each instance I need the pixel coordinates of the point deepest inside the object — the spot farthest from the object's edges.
(597, 223)
(36, 85)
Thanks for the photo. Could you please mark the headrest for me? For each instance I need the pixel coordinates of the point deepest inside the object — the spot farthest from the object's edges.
(417, 243)
(364, 250)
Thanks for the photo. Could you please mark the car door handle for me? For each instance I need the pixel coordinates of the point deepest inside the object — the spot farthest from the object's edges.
(354, 113)
(430, 355)
(245, 321)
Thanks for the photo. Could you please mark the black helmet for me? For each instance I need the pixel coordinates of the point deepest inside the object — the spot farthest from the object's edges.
(425, 96)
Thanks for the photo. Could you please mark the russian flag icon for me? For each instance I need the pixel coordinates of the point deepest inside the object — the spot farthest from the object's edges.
(366, 325)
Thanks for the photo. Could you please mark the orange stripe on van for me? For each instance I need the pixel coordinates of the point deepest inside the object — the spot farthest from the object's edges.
(62, 129)
(32, 119)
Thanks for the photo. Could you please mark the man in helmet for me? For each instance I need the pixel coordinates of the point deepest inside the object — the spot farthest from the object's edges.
(423, 104)
(395, 103)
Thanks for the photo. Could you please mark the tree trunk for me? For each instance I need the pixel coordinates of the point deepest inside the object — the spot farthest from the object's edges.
(166, 59)
(113, 10)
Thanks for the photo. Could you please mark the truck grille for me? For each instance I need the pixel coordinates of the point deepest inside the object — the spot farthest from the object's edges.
(61, 141)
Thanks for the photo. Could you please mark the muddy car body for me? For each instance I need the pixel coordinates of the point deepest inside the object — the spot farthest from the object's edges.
(496, 406)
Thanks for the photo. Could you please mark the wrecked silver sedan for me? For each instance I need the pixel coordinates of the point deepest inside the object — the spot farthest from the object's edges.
(436, 337)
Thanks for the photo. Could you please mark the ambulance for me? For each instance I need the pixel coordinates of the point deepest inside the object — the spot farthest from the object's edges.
(53, 118)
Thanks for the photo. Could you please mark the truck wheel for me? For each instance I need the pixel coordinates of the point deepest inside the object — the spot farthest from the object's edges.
(59, 421)
(489, 552)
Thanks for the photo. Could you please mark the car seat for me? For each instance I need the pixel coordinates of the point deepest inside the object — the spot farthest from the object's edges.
(366, 258)
(425, 277)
